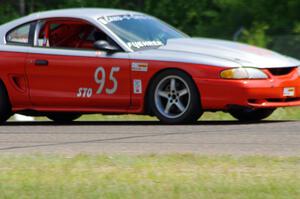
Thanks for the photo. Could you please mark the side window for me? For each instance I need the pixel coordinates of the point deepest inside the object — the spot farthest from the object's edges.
(69, 34)
(20, 35)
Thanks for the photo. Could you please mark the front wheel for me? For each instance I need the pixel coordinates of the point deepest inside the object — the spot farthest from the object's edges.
(251, 115)
(63, 117)
(174, 98)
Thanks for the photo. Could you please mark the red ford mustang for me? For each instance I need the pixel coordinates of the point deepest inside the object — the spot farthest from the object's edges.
(66, 63)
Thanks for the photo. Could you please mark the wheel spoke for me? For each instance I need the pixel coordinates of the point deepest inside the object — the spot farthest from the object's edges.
(168, 107)
(173, 84)
(183, 92)
(163, 94)
(180, 106)
(172, 96)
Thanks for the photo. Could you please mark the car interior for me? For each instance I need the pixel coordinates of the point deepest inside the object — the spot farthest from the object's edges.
(70, 34)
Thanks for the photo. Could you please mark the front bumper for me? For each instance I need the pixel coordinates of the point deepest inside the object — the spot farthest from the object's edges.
(220, 94)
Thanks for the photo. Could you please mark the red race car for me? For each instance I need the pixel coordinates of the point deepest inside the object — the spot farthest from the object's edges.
(66, 63)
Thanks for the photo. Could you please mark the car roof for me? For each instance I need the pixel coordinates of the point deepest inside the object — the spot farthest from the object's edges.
(90, 14)
(82, 13)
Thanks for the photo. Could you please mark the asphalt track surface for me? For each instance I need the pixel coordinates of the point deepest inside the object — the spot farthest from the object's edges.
(265, 138)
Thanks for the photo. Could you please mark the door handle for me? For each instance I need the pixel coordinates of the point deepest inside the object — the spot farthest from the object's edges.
(41, 62)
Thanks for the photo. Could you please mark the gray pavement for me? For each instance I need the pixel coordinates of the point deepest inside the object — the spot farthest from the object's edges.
(266, 138)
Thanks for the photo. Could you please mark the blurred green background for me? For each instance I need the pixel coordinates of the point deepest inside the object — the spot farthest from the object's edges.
(274, 24)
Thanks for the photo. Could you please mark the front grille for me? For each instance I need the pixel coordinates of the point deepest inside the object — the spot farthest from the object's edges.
(281, 71)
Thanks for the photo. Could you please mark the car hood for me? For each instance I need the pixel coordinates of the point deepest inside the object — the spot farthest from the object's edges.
(218, 53)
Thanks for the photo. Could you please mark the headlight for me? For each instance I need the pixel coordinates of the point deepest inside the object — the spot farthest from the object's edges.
(243, 73)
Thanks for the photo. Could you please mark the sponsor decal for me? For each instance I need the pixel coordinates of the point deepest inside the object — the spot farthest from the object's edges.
(84, 93)
(109, 19)
(139, 67)
(137, 86)
(143, 44)
(289, 92)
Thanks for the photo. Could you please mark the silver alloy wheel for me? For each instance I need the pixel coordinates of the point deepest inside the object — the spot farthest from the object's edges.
(172, 96)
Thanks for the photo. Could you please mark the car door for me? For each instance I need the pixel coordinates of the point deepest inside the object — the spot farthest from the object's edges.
(64, 71)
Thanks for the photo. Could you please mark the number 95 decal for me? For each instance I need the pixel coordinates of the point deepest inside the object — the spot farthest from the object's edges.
(100, 79)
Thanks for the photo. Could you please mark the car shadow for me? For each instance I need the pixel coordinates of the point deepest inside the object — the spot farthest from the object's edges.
(136, 123)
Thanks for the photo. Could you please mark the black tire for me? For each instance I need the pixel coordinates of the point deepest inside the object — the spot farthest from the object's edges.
(63, 117)
(251, 115)
(5, 106)
(185, 108)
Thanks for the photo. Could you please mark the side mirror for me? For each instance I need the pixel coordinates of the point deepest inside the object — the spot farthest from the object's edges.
(105, 46)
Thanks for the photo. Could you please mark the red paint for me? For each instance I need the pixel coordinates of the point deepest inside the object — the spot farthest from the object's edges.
(54, 87)
(57, 84)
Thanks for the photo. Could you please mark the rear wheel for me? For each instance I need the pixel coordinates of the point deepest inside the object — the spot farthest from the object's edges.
(5, 106)
(174, 98)
(251, 115)
(63, 117)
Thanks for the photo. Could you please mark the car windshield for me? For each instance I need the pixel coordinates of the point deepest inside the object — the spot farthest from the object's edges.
(141, 31)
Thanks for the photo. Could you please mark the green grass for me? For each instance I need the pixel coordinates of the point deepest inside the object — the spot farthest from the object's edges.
(152, 176)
